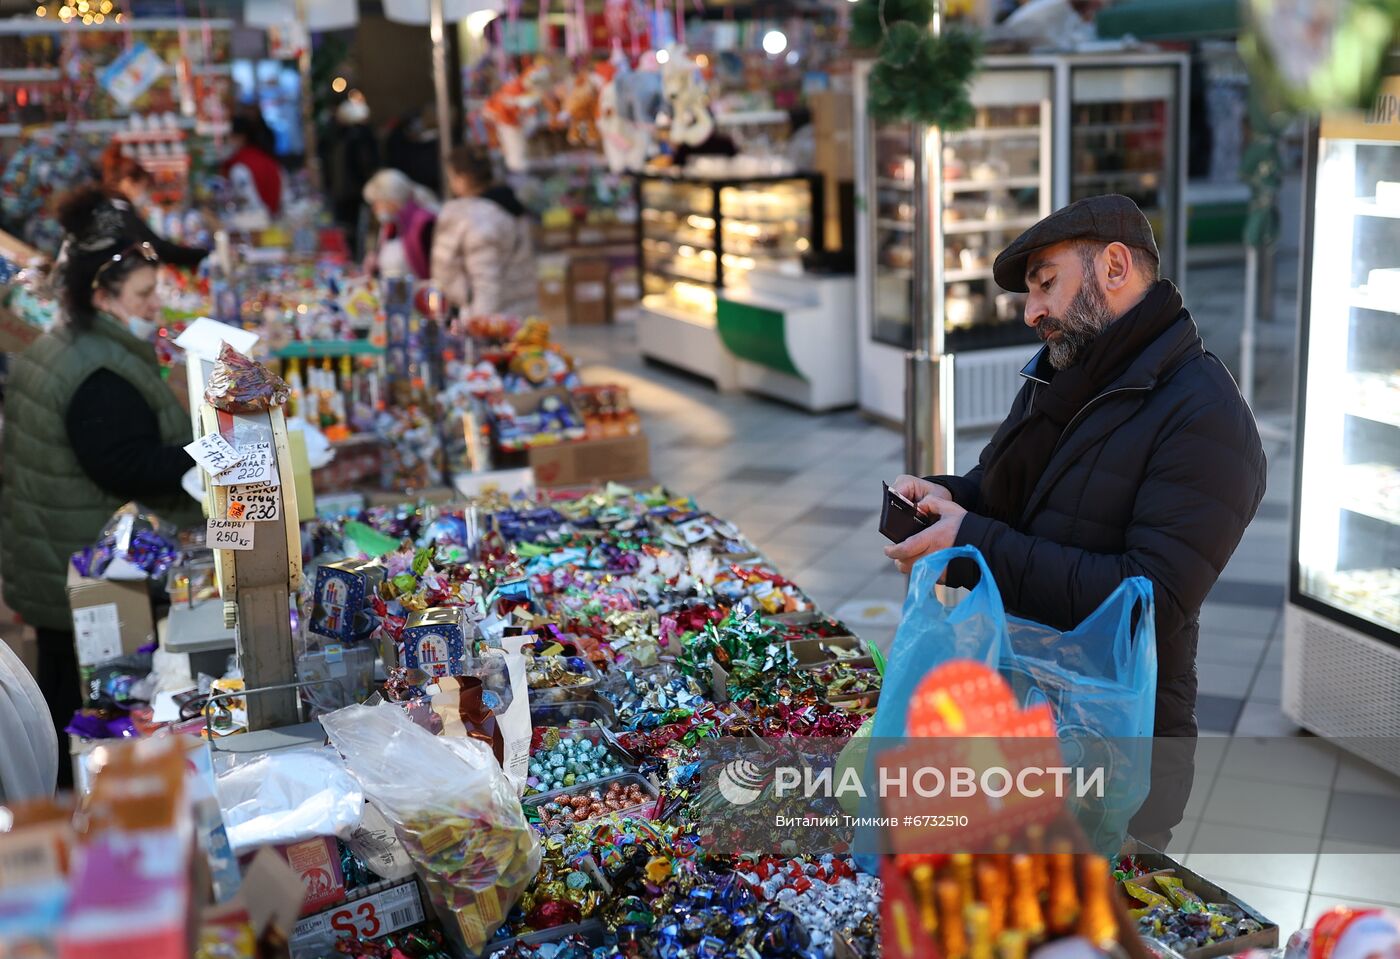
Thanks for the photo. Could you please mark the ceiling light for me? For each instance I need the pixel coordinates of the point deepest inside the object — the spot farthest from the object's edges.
(774, 42)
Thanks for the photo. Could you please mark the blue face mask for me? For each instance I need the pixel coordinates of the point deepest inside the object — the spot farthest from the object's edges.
(141, 328)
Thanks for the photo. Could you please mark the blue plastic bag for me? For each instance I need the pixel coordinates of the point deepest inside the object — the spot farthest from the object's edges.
(1100, 678)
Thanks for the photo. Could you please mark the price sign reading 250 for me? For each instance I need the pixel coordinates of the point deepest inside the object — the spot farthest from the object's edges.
(228, 534)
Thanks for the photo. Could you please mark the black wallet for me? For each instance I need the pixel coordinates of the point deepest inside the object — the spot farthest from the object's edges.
(899, 518)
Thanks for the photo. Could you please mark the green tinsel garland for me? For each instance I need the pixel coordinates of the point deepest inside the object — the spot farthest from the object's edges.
(918, 78)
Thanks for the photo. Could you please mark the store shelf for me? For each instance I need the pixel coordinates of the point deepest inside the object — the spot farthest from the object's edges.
(890, 183)
(1367, 206)
(992, 133)
(85, 126)
(989, 226)
(900, 225)
(741, 118)
(307, 349)
(1145, 127)
(896, 272)
(1362, 485)
(1374, 511)
(963, 276)
(30, 74)
(27, 25)
(676, 276)
(1357, 411)
(984, 186)
(1146, 177)
(1362, 298)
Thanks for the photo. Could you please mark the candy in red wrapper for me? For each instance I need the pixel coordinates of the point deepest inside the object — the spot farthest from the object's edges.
(240, 384)
(547, 915)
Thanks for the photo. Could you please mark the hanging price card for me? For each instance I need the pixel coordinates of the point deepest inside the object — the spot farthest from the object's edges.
(255, 503)
(228, 534)
(212, 452)
(254, 466)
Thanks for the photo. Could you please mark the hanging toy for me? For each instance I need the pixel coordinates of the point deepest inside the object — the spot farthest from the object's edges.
(684, 87)
(581, 109)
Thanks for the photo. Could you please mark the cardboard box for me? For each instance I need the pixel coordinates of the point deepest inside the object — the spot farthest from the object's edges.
(626, 285)
(1159, 862)
(552, 271)
(111, 618)
(588, 292)
(15, 334)
(588, 462)
(554, 237)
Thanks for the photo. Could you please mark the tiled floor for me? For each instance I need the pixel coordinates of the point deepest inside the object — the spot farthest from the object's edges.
(1307, 823)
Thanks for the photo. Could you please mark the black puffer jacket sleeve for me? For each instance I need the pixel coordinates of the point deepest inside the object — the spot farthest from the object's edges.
(967, 489)
(1185, 524)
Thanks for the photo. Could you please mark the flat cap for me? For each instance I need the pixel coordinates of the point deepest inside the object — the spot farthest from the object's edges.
(1110, 218)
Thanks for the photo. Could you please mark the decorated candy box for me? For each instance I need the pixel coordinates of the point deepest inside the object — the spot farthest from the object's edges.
(343, 591)
(436, 640)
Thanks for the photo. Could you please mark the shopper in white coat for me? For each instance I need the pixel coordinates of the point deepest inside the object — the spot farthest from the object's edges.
(483, 256)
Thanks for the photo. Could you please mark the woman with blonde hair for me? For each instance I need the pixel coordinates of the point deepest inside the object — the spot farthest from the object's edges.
(407, 213)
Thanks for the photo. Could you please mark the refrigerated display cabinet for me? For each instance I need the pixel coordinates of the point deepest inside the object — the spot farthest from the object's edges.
(1048, 129)
(1341, 668)
(697, 236)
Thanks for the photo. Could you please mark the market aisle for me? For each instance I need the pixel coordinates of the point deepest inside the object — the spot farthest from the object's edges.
(805, 490)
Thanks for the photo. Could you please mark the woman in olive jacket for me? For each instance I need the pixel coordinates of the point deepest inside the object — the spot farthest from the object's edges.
(90, 425)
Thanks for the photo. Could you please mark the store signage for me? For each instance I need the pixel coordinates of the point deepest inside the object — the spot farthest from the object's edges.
(1380, 122)
(228, 534)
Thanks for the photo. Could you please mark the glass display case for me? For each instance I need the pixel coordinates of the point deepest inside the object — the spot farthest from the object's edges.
(1342, 627)
(995, 184)
(696, 236)
(1048, 129)
(1347, 560)
(1122, 140)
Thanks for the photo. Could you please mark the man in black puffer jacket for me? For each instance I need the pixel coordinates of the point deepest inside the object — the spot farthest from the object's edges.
(1128, 452)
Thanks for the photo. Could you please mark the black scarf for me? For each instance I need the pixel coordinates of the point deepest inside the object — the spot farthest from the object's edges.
(1016, 463)
(505, 198)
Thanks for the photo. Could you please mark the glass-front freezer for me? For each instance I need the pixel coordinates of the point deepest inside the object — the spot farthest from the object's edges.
(1341, 662)
(1347, 562)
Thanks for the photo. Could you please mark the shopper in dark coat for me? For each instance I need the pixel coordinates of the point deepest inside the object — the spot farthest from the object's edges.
(1128, 452)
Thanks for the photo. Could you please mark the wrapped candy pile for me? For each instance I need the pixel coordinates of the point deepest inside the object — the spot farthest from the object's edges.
(649, 628)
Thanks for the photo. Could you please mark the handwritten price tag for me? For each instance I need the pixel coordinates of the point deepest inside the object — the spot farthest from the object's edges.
(212, 452)
(254, 466)
(255, 504)
(228, 534)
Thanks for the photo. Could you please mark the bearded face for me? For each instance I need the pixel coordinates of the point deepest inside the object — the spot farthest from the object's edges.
(1069, 335)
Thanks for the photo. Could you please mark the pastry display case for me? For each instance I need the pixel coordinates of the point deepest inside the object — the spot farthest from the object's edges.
(699, 235)
(1342, 634)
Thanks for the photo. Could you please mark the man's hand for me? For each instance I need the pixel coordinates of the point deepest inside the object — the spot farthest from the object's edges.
(940, 535)
(927, 496)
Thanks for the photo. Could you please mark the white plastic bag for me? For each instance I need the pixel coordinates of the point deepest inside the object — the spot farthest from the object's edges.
(454, 810)
(288, 796)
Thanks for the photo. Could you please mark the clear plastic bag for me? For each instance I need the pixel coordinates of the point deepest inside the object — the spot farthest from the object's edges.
(288, 796)
(135, 544)
(454, 810)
